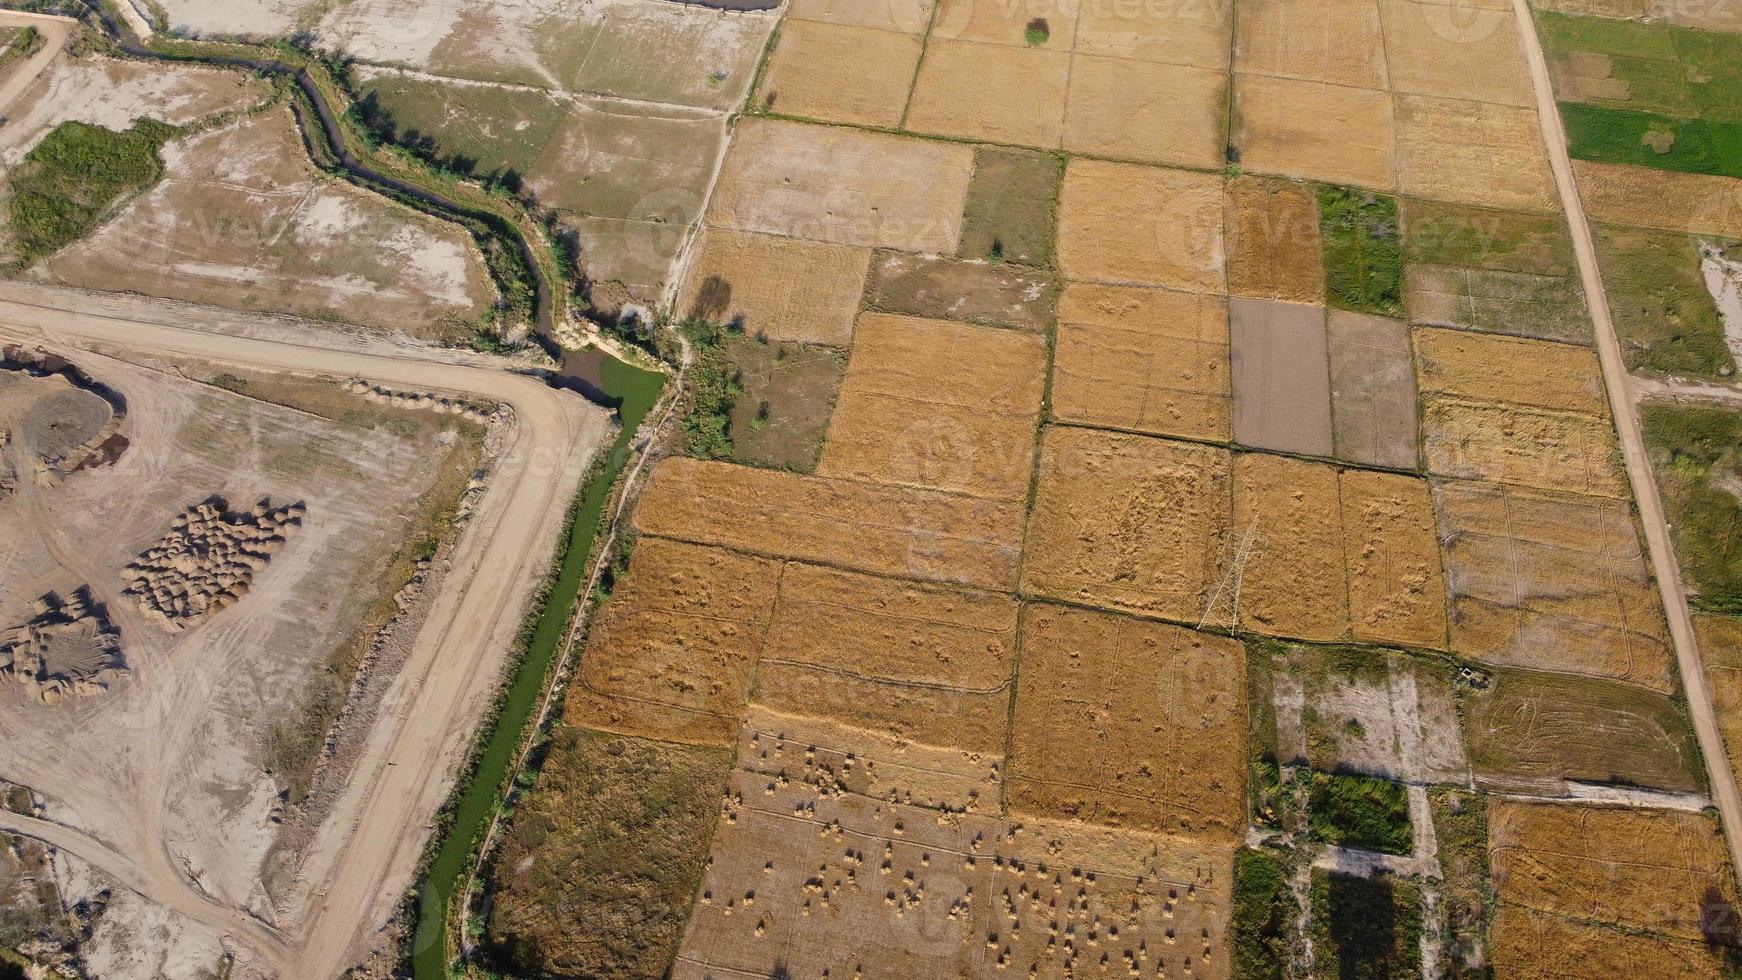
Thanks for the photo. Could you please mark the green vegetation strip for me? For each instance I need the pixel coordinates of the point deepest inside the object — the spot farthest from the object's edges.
(1363, 250)
(1649, 139)
(1695, 457)
(1264, 913)
(68, 182)
(480, 792)
(1356, 811)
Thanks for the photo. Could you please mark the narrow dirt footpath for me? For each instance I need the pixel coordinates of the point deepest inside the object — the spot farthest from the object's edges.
(1622, 404)
(54, 31)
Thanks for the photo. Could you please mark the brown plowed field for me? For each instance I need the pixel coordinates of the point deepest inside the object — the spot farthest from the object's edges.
(1434, 49)
(1314, 130)
(1274, 247)
(1695, 203)
(1397, 593)
(1644, 869)
(1128, 522)
(673, 651)
(992, 92)
(956, 289)
(1135, 110)
(1281, 376)
(1553, 582)
(856, 75)
(1141, 225)
(1546, 450)
(1373, 399)
(1540, 946)
(1336, 41)
(780, 288)
(1294, 583)
(1472, 153)
(922, 663)
(1489, 368)
(940, 405)
(884, 530)
(1149, 360)
(1129, 723)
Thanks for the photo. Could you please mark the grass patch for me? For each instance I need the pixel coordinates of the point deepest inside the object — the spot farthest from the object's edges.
(1694, 453)
(1365, 928)
(1461, 827)
(1481, 238)
(1363, 250)
(787, 394)
(714, 388)
(1357, 811)
(1681, 71)
(469, 129)
(21, 43)
(1649, 139)
(1664, 314)
(69, 181)
(1264, 915)
(1012, 206)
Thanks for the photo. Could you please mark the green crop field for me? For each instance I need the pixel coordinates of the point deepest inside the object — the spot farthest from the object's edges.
(1363, 250)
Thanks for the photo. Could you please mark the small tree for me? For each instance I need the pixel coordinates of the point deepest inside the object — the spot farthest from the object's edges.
(1038, 33)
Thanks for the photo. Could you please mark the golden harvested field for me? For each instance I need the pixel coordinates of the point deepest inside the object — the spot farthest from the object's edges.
(842, 884)
(906, 16)
(1435, 49)
(1315, 130)
(1141, 225)
(673, 651)
(856, 75)
(1643, 869)
(1199, 35)
(1129, 723)
(1294, 584)
(841, 185)
(1696, 203)
(1491, 368)
(1720, 645)
(781, 288)
(883, 530)
(1154, 113)
(1565, 451)
(1551, 581)
(921, 663)
(1128, 522)
(1540, 946)
(1472, 153)
(938, 404)
(1149, 360)
(992, 92)
(1397, 593)
(1336, 41)
(1004, 22)
(1274, 247)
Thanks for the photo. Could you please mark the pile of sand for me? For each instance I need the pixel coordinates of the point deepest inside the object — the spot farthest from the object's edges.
(207, 561)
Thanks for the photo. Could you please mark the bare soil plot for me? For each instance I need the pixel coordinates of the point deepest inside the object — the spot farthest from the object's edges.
(906, 16)
(1551, 581)
(1472, 153)
(672, 653)
(854, 886)
(1012, 206)
(250, 18)
(1129, 723)
(1141, 225)
(884, 530)
(784, 289)
(1274, 247)
(242, 219)
(992, 92)
(914, 663)
(1433, 49)
(1154, 113)
(788, 393)
(1281, 376)
(940, 405)
(1128, 522)
(841, 185)
(1566, 451)
(1336, 41)
(660, 52)
(1489, 368)
(1199, 35)
(1647, 869)
(839, 73)
(1373, 398)
(1520, 303)
(639, 164)
(1397, 592)
(1378, 713)
(1294, 582)
(1314, 130)
(1540, 946)
(1695, 203)
(957, 289)
(1534, 731)
(1147, 360)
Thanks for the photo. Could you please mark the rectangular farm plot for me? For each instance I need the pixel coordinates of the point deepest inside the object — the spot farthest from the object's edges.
(893, 531)
(840, 185)
(1489, 368)
(856, 75)
(1701, 204)
(1566, 451)
(921, 663)
(1404, 709)
(784, 289)
(1372, 390)
(992, 92)
(1141, 226)
(1129, 723)
(1552, 582)
(659, 53)
(672, 654)
(904, 16)
(1128, 522)
(937, 404)
(1433, 49)
(1317, 131)
(1010, 214)
(1523, 304)
(1199, 35)
(1543, 946)
(1472, 153)
(1294, 582)
(1154, 113)
(1397, 591)
(1274, 247)
(947, 288)
(1336, 41)
(1720, 646)
(1281, 376)
(1005, 23)
(1147, 360)
(1658, 870)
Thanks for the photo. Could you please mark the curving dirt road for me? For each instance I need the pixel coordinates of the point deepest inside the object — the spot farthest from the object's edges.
(54, 31)
(1622, 404)
(364, 858)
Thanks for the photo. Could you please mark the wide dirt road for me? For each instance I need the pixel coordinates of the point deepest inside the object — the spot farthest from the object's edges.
(365, 856)
(1622, 404)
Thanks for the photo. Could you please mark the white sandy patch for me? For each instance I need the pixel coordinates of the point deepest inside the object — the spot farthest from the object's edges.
(254, 18)
(328, 217)
(135, 939)
(1724, 281)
